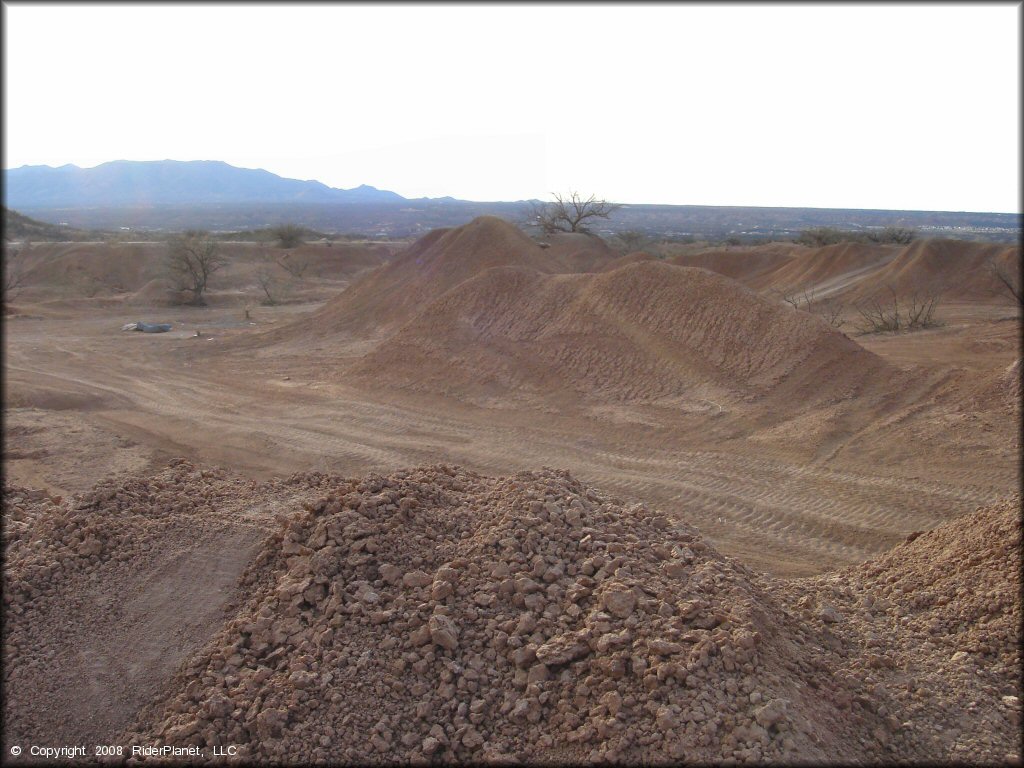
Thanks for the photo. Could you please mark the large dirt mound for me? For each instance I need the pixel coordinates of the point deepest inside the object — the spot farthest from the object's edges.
(828, 269)
(439, 614)
(91, 269)
(438, 261)
(646, 331)
(578, 252)
(743, 263)
(956, 269)
(636, 257)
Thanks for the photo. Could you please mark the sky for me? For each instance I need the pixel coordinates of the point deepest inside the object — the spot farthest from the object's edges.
(830, 106)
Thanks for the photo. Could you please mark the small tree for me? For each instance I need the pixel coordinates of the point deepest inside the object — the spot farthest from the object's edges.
(288, 235)
(570, 214)
(14, 271)
(191, 259)
(1008, 280)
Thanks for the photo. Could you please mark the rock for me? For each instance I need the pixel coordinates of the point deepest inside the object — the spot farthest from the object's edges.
(270, 722)
(443, 632)
(775, 711)
(416, 579)
(829, 614)
(663, 647)
(562, 649)
(619, 601)
(390, 573)
(538, 673)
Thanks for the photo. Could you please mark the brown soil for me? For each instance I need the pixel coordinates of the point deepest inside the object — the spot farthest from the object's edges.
(721, 573)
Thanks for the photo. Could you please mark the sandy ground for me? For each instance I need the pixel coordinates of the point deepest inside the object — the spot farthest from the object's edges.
(85, 400)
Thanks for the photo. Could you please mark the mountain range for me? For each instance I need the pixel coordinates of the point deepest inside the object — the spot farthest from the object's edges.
(173, 195)
(169, 182)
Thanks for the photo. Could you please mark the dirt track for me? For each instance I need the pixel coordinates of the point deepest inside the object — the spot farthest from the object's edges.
(787, 492)
(89, 400)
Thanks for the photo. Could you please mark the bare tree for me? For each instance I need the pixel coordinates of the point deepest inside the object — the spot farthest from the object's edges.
(570, 214)
(296, 267)
(268, 284)
(191, 259)
(907, 313)
(1008, 280)
(829, 310)
(14, 271)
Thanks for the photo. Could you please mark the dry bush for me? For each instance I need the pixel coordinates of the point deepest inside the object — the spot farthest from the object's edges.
(288, 235)
(634, 240)
(829, 310)
(293, 265)
(15, 272)
(907, 313)
(1008, 281)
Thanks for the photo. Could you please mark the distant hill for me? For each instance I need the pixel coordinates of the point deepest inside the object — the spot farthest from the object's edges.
(17, 226)
(169, 182)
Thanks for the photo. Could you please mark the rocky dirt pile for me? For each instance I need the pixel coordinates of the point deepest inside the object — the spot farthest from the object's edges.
(106, 593)
(643, 332)
(437, 614)
(932, 632)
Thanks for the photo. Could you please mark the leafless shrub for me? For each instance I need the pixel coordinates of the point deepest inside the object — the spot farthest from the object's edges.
(15, 271)
(1007, 280)
(268, 284)
(293, 265)
(906, 313)
(191, 259)
(829, 310)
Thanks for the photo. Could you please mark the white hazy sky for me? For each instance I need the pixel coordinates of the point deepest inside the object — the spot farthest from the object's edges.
(853, 106)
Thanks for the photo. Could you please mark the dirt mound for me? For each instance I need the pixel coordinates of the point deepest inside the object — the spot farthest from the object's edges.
(158, 292)
(91, 269)
(439, 614)
(826, 270)
(646, 331)
(107, 593)
(956, 269)
(743, 263)
(578, 252)
(440, 260)
(637, 257)
(930, 630)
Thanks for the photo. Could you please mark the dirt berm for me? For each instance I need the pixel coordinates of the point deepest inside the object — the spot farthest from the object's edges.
(644, 332)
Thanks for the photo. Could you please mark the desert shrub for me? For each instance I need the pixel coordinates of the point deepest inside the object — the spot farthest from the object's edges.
(821, 236)
(288, 235)
(894, 236)
(829, 310)
(901, 313)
